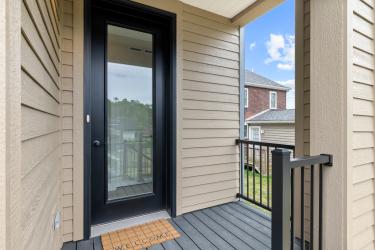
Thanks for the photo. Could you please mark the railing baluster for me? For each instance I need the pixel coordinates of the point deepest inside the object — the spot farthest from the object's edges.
(292, 210)
(320, 207)
(312, 207)
(260, 172)
(253, 168)
(241, 168)
(268, 176)
(303, 208)
(247, 170)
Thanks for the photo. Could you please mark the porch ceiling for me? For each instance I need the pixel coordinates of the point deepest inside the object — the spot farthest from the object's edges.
(240, 12)
(221, 7)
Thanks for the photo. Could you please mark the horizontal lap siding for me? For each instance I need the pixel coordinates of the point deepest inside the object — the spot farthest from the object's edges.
(282, 134)
(67, 117)
(363, 124)
(41, 134)
(305, 112)
(210, 110)
(306, 78)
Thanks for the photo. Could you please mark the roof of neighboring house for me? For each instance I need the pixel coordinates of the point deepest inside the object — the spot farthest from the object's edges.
(274, 116)
(255, 80)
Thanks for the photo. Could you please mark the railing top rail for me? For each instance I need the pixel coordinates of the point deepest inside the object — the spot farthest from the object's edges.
(266, 144)
(324, 159)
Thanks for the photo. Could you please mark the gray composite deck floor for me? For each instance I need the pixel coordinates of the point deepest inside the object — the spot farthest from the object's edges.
(230, 226)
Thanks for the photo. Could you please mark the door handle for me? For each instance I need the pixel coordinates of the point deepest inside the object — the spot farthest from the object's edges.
(96, 143)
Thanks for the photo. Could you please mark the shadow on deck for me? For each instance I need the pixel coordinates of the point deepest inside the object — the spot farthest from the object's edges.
(230, 226)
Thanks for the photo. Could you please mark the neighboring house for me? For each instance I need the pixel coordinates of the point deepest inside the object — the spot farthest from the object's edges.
(262, 93)
(266, 116)
(275, 126)
(55, 156)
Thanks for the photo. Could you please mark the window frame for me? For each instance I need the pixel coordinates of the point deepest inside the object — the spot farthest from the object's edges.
(271, 93)
(246, 130)
(246, 98)
(250, 133)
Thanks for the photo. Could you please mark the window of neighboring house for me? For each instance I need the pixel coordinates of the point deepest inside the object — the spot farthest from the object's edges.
(273, 100)
(246, 131)
(246, 97)
(254, 133)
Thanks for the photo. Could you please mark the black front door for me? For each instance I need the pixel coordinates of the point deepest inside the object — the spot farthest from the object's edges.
(128, 121)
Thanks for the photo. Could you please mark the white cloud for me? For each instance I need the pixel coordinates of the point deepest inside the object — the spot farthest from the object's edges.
(280, 49)
(285, 66)
(291, 94)
(252, 45)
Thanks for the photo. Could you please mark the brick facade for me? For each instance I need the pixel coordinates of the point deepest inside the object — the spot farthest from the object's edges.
(259, 98)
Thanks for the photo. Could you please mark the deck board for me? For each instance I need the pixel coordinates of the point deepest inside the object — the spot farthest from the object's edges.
(237, 243)
(97, 244)
(211, 235)
(85, 245)
(199, 240)
(171, 245)
(229, 226)
(247, 226)
(184, 241)
(251, 241)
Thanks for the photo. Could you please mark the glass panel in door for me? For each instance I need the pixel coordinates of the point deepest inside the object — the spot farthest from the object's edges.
(129, 113)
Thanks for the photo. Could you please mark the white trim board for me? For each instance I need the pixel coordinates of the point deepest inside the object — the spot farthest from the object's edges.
(100, 229)
(263, 86)
(269, 122)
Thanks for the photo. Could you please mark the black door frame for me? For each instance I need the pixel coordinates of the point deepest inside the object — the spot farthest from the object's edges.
(169, 19)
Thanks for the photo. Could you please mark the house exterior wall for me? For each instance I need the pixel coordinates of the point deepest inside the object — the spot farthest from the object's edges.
(302, 124)
(10, 125)
(41, 99)
(207, 111)
(361, 142)
(67, 119)
(330, 131)
(339, 119)
(277, 133)
(346, 132)
(259, 100)
(210, 110)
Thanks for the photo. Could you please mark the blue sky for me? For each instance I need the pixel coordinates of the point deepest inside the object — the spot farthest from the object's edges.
(269, 46)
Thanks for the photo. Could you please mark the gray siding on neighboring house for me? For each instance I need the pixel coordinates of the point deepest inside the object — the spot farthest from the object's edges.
(278, 133)
(41, 123)
(210, 110)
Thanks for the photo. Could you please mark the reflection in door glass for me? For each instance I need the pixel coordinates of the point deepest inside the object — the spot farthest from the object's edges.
(129, 113)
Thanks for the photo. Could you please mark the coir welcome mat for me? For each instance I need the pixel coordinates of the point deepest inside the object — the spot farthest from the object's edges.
(139, 237)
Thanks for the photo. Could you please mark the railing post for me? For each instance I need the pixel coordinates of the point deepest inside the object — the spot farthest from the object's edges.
(281, 199)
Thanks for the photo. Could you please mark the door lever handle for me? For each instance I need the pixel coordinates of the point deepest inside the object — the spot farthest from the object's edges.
(96, 143)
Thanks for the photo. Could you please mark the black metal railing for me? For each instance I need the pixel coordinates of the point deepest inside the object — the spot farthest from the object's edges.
(285, 171)
(256, 171)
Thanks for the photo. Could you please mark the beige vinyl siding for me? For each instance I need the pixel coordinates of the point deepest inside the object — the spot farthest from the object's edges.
(306, 109)
(210, 110)
(67, 119)
(40, 131)
(363, 124)
(302, 139)
(278, 133)
(306, 78)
